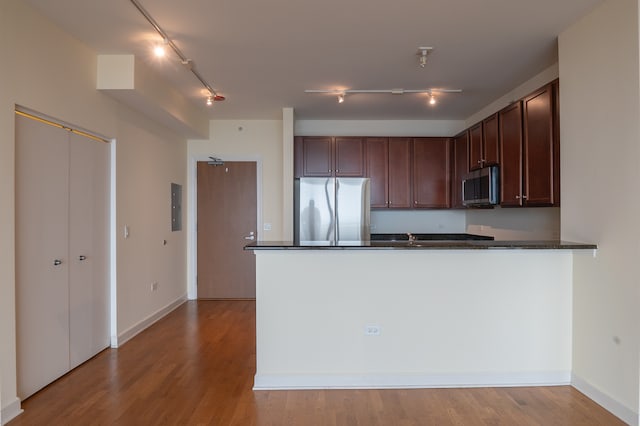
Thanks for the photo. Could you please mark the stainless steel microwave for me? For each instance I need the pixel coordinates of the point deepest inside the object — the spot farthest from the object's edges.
(481, 187)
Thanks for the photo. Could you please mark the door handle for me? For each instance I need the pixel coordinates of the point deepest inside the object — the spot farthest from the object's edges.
(81, 258)
(251, 236)
(57, 262)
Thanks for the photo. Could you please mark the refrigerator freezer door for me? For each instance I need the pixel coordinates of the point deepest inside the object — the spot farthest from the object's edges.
(353, 207)
(316, 203)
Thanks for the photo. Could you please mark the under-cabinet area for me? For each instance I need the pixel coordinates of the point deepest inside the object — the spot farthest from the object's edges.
(521, 141)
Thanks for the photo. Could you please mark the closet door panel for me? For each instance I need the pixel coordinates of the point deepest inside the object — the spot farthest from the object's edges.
(42, 293)
(88, 247)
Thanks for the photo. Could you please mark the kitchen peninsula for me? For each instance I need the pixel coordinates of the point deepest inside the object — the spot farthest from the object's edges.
(414, 314)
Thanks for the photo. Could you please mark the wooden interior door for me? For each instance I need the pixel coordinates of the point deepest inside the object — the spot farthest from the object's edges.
(227, 210)
(88, 247)
(42, 262)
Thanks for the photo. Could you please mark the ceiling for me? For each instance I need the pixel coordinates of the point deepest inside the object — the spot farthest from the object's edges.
(262, 55)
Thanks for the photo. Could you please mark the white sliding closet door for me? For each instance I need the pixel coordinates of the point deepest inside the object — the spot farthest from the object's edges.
(62, 251)
(88, 234)
(42, 293)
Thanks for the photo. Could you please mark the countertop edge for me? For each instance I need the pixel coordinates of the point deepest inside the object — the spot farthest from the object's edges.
(427, 245)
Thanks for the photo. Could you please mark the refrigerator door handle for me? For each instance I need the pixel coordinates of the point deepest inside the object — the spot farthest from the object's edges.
(335, 211)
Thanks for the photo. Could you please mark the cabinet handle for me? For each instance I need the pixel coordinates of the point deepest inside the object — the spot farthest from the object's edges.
(479, 161)
(517, 197)
(81, 258)
(57, 262)
(524, 197)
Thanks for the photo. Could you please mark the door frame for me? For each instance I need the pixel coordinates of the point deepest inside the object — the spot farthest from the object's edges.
(192, 208)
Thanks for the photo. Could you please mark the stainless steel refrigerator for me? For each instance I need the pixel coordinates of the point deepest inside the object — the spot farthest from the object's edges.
(331, 210)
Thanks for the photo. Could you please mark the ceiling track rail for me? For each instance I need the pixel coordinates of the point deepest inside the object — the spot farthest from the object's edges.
(46, 120)
(183, 59)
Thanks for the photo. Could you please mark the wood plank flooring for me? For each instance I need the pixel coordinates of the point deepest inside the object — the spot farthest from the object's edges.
(196, 367)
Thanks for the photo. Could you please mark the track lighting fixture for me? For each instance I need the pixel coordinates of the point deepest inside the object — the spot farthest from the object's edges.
(340, 94)
(422, 55)
(188, 63)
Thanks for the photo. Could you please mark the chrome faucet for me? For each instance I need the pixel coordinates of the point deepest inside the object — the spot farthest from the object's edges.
(412, 238)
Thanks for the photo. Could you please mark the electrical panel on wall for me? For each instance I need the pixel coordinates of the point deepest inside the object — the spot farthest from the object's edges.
(176, 207)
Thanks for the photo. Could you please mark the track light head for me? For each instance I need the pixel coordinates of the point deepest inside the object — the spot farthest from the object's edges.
(432, 100)
(422, 55)
(341, 98)
(160, 49)
(209, 101)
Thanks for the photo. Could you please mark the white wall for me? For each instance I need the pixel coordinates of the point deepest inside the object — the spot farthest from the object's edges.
(600, 164)
(48, 71)
(255, 140)
(378, 127)
(438, 326)
(149, 159)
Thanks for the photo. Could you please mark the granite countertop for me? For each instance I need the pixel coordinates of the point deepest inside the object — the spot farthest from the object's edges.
(423, 245)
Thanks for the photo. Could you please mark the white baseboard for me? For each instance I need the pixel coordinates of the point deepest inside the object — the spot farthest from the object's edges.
(11, 411)
(407, 381)
(619, 410)
(131, 332)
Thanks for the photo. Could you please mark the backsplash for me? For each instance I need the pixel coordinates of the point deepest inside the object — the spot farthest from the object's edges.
(534, 223)
(418, 221)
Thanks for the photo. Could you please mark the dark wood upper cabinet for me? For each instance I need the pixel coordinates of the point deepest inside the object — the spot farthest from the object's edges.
(327, 156)
(483, 143)
(510, 133)
(317, 156)
(400, 182)
(377, 170)
(490, 146)
(475, 147)
(538, 125)
(529, 159)
(298, 160)
(431, 172)
(349, 157)
(460, 165)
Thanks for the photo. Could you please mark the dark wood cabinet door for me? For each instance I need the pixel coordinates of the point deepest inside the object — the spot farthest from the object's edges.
(475, 147)
(510, 133)
(317, 156)
(377, 170)
(538, 147)
(298, 160)
(490, 151)
(349, 157)
(399, 173)
(460, 166)
(431, 172)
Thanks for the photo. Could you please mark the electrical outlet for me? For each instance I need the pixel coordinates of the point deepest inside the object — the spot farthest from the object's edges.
(372, 330)
(154, 286)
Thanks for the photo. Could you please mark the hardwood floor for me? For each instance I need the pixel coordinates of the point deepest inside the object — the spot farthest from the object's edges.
(196, 367)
